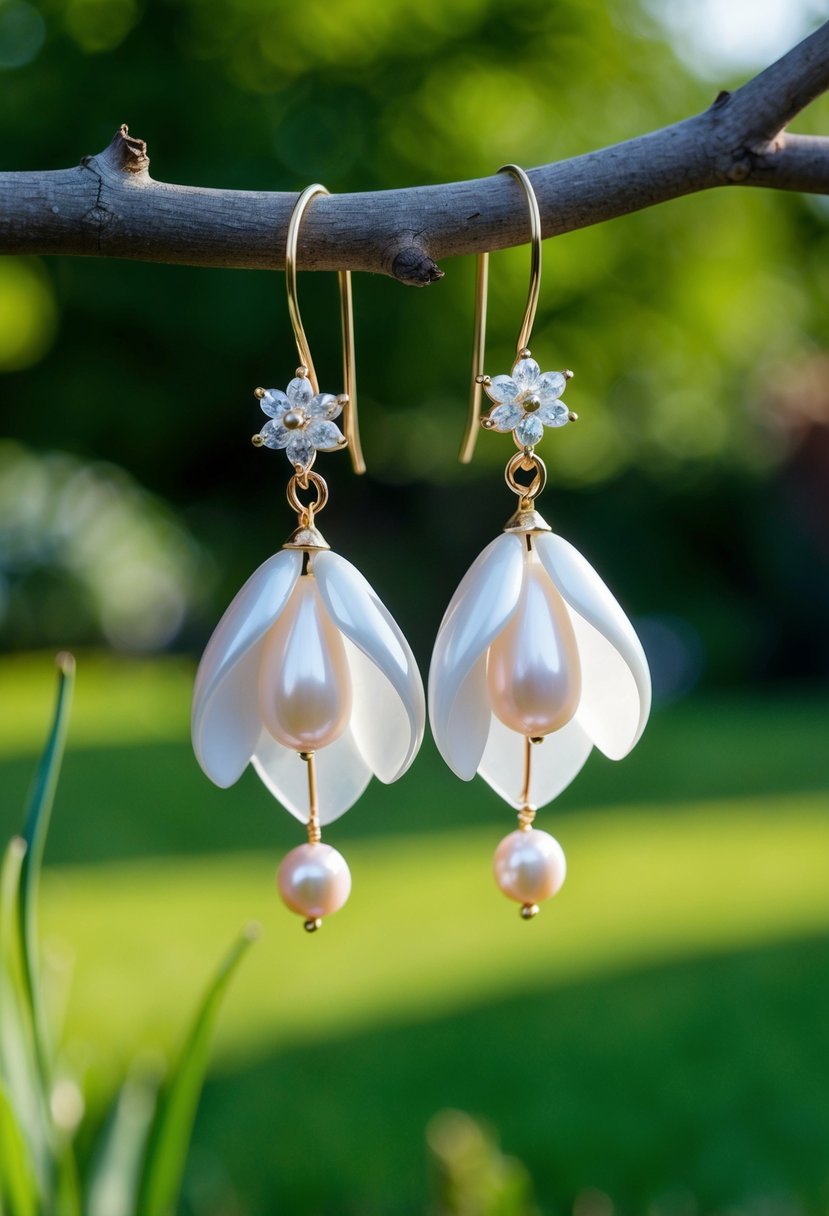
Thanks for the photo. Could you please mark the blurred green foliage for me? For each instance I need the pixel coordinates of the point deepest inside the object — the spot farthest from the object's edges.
(699, 492)
(654, 1040)
(617, 1054)
(137, 1166)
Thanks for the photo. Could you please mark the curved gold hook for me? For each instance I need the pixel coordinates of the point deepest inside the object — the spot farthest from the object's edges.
(479, 332)
(350, 424)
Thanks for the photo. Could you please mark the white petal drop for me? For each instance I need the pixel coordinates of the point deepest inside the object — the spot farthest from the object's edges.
(553, 763)
(467, 726)
(616, 685)
(304, 686)
(388, 708)
(380, 721)
(225, 721)
(533, 673)
(480, 608)
(342, 776)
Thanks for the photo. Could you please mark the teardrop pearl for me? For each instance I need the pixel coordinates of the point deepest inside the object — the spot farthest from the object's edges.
(530, 866)
(304, 681)
(314, 880)
(533, 672)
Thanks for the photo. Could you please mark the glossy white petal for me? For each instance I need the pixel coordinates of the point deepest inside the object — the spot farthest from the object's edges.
(616, 684)
(225, 721)
(463, 737)
(389, 714)
(553, 765)
(342, 775)
(480, 608)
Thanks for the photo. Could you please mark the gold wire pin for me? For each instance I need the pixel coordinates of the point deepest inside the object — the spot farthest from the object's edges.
(522, 348)
(306, 363)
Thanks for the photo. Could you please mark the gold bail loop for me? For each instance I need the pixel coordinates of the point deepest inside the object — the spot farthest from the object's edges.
(304, 481)
(350, 423)
(481, 288)
(526, 462)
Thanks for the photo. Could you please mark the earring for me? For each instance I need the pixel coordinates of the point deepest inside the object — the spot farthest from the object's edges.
(535, 662)
(307, 676)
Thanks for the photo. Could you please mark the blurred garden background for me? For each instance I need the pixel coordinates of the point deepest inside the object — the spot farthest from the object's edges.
(656, 1041)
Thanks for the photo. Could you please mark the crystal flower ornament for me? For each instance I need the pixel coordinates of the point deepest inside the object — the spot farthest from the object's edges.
(301, 421)
(527, 401)
(307, 677)
(535, 663)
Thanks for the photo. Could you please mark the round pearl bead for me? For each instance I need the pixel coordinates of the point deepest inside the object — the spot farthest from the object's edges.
(529, 866)
(314, 880)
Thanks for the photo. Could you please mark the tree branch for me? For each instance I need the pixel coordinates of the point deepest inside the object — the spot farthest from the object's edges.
(109, 206)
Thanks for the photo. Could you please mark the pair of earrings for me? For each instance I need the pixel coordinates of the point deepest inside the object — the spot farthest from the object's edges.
(308, 677)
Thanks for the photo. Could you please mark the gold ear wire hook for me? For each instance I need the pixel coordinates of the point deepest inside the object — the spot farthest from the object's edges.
(479, 333)
(350, 423)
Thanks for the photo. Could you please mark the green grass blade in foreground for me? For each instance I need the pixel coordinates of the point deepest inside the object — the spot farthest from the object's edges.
(38, 814)
(173, 1125)
(21, 1081)
(18, 1188)
(114, 1177)
(18, 1184)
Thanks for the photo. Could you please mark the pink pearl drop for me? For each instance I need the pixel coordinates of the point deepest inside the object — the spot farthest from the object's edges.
(530, 866)
(304, 681)
(314, 880)
(533, 671)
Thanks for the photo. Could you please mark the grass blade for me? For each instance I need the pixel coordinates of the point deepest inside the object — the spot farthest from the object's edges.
(170, 1136)
(38, 814)
(21, 1081)
(113, 1181)
(18, 1187)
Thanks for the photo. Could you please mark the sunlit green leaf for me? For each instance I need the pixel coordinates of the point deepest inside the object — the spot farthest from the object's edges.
(28, 317)
(18, 1188)
(38, 814)
(115, 1175)
(18, 1060)
(170, 1136)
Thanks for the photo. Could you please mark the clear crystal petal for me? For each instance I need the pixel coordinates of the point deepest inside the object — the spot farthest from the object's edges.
(274, 403)
(502, 388)
(556, 414)
(529, 430)
(300, 449)
(325, 405)
(300, 391)
(525, 373)
(550, 387)
(326, 436)
(506, 417)
(275, 435)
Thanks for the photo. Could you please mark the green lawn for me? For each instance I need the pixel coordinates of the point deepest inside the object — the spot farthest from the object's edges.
(660, 1030)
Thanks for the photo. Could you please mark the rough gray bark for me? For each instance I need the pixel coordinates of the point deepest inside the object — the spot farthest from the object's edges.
(109, 206)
